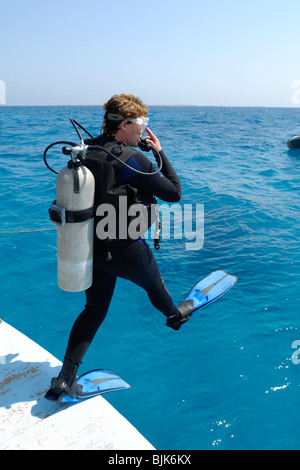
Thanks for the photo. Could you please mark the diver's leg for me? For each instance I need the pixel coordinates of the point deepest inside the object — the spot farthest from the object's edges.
(98, 298)
(161, 299)
(147, 275)
(136, 262)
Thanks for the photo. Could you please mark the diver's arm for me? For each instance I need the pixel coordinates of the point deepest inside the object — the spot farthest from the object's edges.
(164, 185)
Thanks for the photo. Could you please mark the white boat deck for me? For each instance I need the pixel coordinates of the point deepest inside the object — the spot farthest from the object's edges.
(30, 422)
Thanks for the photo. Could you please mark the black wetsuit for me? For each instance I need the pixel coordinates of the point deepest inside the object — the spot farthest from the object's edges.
(131, 259)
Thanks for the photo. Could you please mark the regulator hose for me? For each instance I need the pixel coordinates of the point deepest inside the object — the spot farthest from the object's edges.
(79, 152)
(52, 145)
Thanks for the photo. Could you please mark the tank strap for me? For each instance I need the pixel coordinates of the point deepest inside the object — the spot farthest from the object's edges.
(75, 167)
(76, 181)
(80, 216)
(61, 216)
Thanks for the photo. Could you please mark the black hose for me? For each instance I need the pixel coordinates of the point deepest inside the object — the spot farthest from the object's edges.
(52, 145)
(75, 124)
(98, 147)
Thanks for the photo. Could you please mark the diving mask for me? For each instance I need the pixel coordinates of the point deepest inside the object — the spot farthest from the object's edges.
(142, 122)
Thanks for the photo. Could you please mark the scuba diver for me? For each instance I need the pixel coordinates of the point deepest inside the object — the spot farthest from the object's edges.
(124, 122)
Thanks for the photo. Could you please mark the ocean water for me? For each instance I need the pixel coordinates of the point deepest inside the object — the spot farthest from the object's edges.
(228, 379)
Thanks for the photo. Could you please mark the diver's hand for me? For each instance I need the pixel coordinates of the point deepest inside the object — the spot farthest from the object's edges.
(153, 140)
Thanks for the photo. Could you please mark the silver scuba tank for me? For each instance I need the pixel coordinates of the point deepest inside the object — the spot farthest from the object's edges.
(73, 212)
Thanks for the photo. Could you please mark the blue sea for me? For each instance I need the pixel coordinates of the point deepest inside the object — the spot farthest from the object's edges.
(229, 379)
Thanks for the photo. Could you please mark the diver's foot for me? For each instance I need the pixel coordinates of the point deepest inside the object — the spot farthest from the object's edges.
(184, 312)
(175, 321)
(66, 381)
(59, 386)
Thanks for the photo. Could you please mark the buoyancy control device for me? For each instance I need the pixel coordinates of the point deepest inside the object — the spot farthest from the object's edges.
(73, 212)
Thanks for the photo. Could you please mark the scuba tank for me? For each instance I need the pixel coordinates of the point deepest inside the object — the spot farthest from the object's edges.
(75, 188)
(73, 212)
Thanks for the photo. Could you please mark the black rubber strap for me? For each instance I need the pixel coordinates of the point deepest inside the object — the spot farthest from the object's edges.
(76, 181)
(79, 216)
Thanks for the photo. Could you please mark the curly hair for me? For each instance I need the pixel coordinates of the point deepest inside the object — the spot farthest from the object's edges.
(125, 105)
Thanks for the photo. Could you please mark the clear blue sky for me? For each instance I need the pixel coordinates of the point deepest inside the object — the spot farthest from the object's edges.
(200, 52)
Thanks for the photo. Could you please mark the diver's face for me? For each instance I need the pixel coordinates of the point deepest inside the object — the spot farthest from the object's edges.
(129, 133)
(134, 134)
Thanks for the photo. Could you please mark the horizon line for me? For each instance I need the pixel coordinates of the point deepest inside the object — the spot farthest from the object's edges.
(162, 105)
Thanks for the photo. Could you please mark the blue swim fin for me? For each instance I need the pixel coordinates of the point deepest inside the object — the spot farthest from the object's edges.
(92, 383)
(204, 292)
(210, 288)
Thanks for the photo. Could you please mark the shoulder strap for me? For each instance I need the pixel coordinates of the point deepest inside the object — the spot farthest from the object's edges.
(119, 150)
